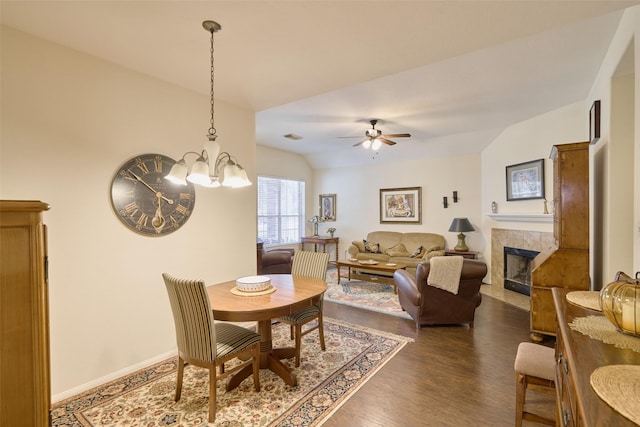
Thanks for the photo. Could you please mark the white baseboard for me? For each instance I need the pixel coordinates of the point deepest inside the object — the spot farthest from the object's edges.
(112, 376)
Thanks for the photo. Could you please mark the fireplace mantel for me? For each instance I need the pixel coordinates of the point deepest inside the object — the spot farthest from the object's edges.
(521, 217)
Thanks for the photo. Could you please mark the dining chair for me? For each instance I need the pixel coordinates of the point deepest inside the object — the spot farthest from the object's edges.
(205, 343)
(310, 264)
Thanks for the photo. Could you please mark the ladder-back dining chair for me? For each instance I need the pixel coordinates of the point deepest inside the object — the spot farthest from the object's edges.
(310, 264)
(204, 343)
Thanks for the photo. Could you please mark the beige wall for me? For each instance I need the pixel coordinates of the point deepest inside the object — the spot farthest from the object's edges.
(528, 140)
(357, 192)
(616, 233)
(68, 122)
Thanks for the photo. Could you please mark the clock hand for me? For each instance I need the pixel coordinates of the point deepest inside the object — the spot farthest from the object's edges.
(158, 194)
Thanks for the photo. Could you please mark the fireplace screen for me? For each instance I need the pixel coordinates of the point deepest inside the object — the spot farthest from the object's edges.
(517, 269)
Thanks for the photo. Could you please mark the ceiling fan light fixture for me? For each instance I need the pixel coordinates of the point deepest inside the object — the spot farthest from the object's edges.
(376, 144)
(366, 144)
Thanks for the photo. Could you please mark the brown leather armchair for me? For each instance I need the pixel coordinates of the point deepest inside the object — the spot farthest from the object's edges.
(429, 305)
(277, 261)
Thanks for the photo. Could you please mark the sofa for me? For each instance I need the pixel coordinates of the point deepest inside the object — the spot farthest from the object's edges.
(398, 248)
(430, 305)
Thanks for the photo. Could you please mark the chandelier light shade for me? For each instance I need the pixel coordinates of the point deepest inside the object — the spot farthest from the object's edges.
(461, 225)
(210, 164)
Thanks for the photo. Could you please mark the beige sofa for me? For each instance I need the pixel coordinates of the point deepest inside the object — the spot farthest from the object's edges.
(398, 248)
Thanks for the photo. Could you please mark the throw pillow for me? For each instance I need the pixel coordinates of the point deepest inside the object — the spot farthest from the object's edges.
(374, 248)
(397, 250)
(358, 245)
(418, 253)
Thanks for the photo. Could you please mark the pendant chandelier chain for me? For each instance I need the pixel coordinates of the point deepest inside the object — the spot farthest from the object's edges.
(212, 130)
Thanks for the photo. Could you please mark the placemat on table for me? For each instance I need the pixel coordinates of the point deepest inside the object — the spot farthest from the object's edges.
(619, 386)
(586, 299)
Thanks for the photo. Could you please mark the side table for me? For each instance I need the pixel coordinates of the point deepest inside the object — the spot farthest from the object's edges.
(466, 254)
(320, 240)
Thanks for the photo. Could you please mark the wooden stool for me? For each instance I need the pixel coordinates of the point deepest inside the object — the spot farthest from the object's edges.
(535, 367)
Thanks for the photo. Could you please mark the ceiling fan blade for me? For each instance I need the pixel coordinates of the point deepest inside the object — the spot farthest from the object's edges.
(397, 135)
(361, 142)
(387, 141)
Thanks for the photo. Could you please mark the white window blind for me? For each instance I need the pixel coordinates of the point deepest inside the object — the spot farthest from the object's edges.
(280, 210)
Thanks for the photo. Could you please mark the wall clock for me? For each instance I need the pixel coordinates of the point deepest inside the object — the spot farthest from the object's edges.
(146, 202)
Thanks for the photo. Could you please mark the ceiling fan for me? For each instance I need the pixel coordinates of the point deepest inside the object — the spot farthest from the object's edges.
(374, 137)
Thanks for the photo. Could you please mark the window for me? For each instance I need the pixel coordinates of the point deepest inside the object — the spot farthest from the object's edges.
(280, 210)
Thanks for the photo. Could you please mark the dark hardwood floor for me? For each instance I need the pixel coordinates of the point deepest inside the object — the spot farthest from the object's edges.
(450, 375)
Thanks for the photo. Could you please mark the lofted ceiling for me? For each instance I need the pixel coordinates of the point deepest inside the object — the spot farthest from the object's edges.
(454, 74)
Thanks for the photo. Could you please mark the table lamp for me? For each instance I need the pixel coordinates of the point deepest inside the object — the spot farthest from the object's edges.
(315, 220)
(461, 225)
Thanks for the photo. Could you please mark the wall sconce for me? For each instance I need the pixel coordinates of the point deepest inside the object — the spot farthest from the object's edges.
(445, 202)
(210, 164)
(455, 197)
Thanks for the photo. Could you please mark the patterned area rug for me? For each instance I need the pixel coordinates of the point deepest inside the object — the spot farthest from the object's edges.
(325, 381)
(369, 296)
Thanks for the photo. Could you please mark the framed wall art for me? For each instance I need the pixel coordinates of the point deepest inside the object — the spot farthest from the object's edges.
(525, 181)
(401, 205)
(328, 207)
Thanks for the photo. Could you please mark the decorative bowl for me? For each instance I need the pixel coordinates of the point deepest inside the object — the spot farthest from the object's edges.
(368, 262)
(253, 283)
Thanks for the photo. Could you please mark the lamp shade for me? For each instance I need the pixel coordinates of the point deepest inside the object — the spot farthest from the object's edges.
(199, 172)
(178, 173)
(461, 225)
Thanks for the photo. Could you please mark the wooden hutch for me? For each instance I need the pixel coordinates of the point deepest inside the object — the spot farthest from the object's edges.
(25, 390)
(567, 264)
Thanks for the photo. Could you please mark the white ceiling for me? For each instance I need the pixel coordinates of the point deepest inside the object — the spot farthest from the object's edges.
(454, 74)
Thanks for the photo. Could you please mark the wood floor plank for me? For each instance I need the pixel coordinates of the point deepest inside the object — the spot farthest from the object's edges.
(450, 375)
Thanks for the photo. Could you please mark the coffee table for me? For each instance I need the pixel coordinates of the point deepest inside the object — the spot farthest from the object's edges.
(355, 271)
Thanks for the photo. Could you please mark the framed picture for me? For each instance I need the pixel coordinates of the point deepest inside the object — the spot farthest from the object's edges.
(525, 180)
(401, 205)
(328, 207)
(594, 122)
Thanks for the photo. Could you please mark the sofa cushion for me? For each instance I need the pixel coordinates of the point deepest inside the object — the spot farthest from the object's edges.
(397, 250)
(359, 245)
(374, 248)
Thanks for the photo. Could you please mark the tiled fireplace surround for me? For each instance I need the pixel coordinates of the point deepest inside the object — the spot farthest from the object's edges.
(522, 239)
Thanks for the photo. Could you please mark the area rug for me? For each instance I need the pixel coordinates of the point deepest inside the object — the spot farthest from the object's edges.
(369, 296)
(326, 379)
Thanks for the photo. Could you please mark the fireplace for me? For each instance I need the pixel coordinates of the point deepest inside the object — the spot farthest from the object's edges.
(517, 269)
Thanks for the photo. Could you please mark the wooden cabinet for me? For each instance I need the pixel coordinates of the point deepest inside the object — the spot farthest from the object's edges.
(567, 264)
(577, 356)
(25, 386)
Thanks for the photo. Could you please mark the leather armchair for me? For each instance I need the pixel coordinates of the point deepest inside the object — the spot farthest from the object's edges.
(428, 305)
(277, 261)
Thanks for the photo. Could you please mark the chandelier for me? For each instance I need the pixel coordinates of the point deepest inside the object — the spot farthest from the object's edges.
(211, 167)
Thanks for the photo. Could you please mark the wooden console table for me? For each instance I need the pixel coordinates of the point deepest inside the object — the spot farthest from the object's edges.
(320, 240)
(577, 356)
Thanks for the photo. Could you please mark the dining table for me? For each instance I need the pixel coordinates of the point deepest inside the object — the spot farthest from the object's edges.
(292, 293)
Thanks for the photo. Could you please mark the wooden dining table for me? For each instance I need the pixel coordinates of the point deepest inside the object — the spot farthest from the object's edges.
(292, 293)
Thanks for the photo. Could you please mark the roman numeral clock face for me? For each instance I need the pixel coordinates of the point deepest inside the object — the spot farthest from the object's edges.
(146, 202)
